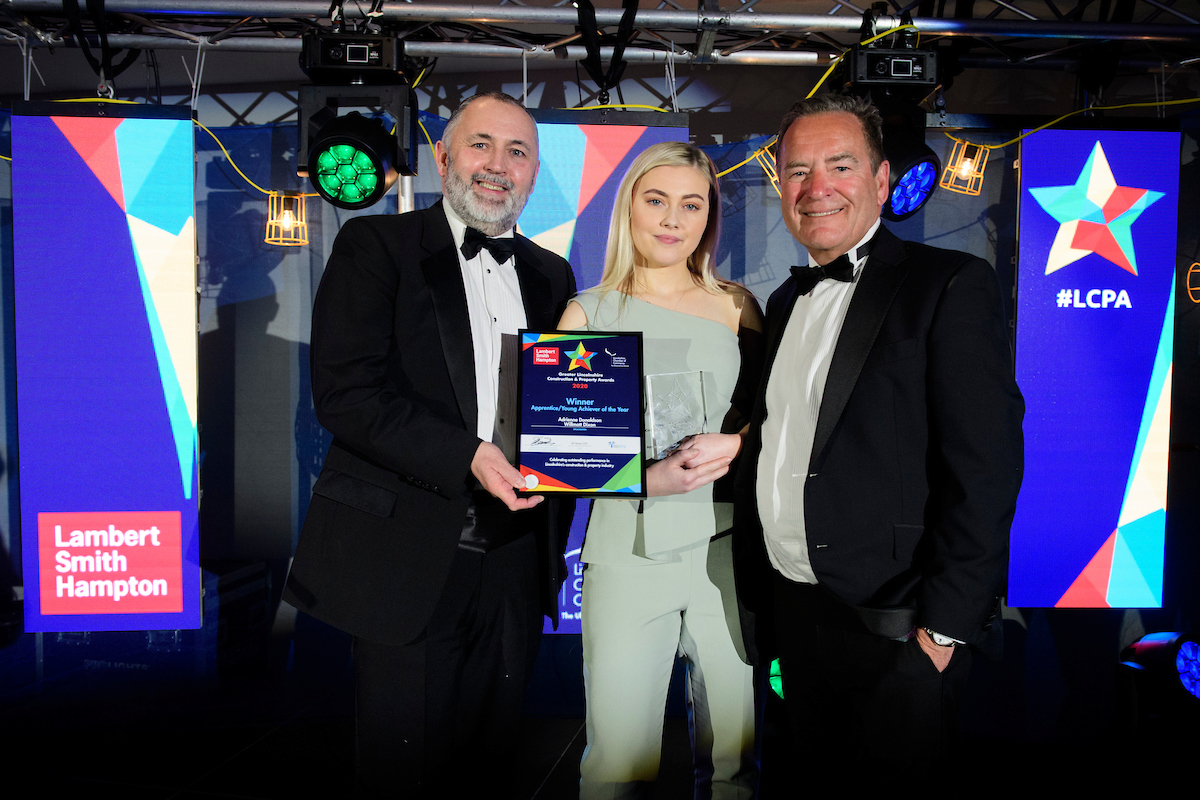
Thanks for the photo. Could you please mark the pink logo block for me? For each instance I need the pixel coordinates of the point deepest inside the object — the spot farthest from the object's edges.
(545, 355)
(110, 562)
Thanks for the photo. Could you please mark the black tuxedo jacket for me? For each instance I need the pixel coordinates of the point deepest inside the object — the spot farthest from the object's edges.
(918, 453)
(393, 378)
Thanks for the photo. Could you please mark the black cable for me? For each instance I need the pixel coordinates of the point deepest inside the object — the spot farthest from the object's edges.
(157, 77)
(103, 67)
(590, 33)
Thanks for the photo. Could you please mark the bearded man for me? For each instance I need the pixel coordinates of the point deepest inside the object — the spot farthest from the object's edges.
(416, 542)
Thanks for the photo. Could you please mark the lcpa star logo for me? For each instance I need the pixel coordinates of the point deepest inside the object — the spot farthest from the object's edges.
(1094, 215)
(580, 357)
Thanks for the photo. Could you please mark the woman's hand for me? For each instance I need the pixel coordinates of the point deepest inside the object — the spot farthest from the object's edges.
(700, 460)
(711, 447)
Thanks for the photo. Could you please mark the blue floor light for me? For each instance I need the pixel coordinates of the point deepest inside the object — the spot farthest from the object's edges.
(1187, 664)
(1158, 688)
(1168, 661)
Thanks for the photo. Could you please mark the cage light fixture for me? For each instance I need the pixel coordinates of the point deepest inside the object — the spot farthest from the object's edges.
(964, 172)
(287, 223)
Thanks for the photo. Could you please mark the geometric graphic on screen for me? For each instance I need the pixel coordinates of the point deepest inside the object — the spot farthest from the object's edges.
(1095, 215)
(127, 156)
(566, 183)
(1093, 360)
(1127, 571)
(581, 166)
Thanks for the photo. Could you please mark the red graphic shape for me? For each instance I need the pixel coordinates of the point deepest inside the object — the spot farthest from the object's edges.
(1090, 589)
(545, 482)
(1099, 239)
(110, 563)
(1120, 201)
(606, 146)
(95, 141)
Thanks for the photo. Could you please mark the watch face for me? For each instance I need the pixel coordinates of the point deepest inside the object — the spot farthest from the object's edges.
(939, 639)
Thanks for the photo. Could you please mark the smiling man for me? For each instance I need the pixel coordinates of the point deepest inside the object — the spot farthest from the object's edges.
(881, 471)
(416, 542)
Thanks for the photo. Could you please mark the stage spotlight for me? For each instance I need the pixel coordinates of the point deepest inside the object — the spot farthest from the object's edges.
(896, 78)
(776, 679)
(1171, 660)
(352, 160)
(915, 169)
(1187, 664)
(1158, 686)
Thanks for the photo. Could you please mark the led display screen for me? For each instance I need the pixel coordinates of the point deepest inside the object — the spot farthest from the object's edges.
(568, 213)
(1095, 311)
(105, 307)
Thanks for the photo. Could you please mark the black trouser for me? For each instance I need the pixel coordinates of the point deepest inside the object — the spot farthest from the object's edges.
(862, 707)
(438, 717)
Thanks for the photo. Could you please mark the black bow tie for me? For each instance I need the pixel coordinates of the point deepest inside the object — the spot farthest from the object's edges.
(476, 240)
(840, 269)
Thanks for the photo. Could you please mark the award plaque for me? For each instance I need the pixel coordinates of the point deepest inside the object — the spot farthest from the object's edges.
(579, 409)
(674, 411)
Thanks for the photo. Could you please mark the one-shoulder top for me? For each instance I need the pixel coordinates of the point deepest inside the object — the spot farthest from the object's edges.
(671, 342)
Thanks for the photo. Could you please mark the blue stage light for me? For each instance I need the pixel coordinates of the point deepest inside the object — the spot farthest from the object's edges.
(1167, 657)
(914, 174)
(1187, 663)
(912, 189)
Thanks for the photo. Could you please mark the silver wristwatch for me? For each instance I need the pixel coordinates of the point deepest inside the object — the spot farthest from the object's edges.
(940, 640)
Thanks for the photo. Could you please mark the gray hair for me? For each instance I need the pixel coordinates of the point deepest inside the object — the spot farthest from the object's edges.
(499, 97)
(862, 109)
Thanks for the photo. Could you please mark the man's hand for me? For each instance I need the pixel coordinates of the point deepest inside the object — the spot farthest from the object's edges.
(940, 656)
(499, 478)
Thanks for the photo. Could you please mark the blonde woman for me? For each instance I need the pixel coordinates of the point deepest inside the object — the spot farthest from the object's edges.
(659, 576)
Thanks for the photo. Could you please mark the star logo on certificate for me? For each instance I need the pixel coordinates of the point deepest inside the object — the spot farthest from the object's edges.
(580, 357)
(1094, 215)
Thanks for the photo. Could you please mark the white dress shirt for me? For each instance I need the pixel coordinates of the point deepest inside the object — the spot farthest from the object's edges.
(794, 393)
(494, 306)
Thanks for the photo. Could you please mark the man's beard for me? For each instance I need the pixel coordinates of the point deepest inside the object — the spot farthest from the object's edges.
(492, 218)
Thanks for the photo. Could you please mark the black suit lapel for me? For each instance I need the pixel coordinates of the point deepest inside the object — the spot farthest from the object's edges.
(443, 275)
(880, 280)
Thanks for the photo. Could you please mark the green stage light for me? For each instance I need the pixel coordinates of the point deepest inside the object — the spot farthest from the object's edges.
(776, 678)
(347, 173)
(351, 161)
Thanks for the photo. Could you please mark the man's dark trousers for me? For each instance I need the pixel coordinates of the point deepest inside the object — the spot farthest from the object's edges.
(462, 683)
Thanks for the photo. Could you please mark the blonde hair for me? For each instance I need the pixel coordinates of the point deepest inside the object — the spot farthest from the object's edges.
(619, 258)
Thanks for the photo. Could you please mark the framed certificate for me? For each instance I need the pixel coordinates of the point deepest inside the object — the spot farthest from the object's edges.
(579, 414)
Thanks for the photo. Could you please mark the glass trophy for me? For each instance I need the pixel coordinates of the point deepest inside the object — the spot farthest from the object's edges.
(675, 411)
